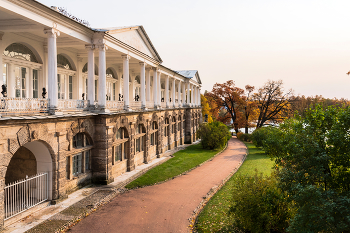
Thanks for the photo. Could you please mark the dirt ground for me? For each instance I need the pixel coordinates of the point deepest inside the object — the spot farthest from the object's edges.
(166, 207)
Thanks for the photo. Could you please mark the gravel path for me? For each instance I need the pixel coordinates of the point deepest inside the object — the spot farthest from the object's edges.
(166, 207)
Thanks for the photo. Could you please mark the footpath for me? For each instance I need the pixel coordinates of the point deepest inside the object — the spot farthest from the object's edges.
(169, 206)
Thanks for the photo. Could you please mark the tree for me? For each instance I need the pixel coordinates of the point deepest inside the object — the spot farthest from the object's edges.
(213, 135)
(272, 103)
(206, 109)
(313, 160)
(249, 108)
(228, 99)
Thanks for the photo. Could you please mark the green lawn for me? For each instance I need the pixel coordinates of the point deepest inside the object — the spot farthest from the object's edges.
(214, 216)
(183, 161)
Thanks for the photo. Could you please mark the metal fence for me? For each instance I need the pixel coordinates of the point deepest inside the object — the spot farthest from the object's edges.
(25, 194)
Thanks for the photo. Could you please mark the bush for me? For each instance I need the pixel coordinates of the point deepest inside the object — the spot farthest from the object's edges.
(213, 135)
(244, 137)
(260, 135)
(258, 205)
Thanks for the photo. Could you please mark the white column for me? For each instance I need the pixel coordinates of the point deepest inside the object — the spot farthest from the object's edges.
(173, 98)
(155, 89)
(1, 64)
(52, 66)
(199, 97)
(126, 81)
(91, 74)
(118, 87)
(159, 96)
(183, 94)
(143, 88)
(132, 88)
(192, 95)
(11, 81)
(188, 94)
(78, 84)
(179, 93)
(102, 76)
(148, 84)
(29, 83)
(167, 91)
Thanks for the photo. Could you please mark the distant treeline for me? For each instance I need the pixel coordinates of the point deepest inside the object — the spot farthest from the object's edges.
(302, 103)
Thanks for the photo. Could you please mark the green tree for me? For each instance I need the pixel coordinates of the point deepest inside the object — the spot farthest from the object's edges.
(213, 135)
(313, 161)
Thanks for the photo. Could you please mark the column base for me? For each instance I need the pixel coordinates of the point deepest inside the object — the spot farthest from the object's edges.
(126, 108)
(55, 111)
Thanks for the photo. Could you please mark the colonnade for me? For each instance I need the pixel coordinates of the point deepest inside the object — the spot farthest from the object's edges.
(190, 92)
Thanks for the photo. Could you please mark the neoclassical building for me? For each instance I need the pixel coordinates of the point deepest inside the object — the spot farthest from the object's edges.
(80, 105)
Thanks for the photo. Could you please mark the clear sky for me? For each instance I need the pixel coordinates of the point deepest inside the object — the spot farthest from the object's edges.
(306, 43)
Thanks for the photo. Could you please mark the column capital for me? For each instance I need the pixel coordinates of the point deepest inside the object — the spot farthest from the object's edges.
(142, 63)
(52, 32)
(102, 47)
(90, 46)
(148, 68)
(126, 56)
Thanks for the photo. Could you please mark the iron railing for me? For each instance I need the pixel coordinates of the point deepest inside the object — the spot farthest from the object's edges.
(24, 194)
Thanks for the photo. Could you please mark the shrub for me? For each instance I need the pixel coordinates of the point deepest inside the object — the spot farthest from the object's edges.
(239, 135)
(213, 135)
(260, 135)
(258, 205)
(244, 137)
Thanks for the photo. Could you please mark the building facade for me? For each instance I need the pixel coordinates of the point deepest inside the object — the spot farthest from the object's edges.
(81, 105)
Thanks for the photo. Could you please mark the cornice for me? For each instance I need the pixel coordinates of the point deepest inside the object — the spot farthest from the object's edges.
(46, 12)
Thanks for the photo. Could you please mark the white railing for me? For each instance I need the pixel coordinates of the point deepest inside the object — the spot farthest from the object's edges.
(135, 105)
(150, 104)
(24, 194)
(23, 105)
(73, 104)
(115, 105)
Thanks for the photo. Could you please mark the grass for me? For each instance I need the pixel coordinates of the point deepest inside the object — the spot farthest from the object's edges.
(183, 161)
(214, 217)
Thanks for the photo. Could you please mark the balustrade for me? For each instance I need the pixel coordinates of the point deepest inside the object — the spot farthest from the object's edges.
(10, 105)
(115, 105)
(135, 105)
(150, 104)
(73, 104)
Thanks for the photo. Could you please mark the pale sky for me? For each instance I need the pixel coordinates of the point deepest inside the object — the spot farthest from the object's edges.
(306, 43)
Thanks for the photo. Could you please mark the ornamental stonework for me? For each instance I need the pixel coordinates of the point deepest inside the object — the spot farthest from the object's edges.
(13, 145)
(23, 135)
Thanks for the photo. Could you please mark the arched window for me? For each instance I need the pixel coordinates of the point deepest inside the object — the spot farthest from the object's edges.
(20, 51)
(153, 133)
(85, 69)
(63, 62)
(120, 150)
(173, 126)
(111, 84)
(166, 127)
(21, 89)
(79, 162)
(64, 80)
(140, 137)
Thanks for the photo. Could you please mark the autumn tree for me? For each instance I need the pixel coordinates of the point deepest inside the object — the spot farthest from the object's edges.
(228, 99)
(250, 112)
(206, 109)
(272, 103)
